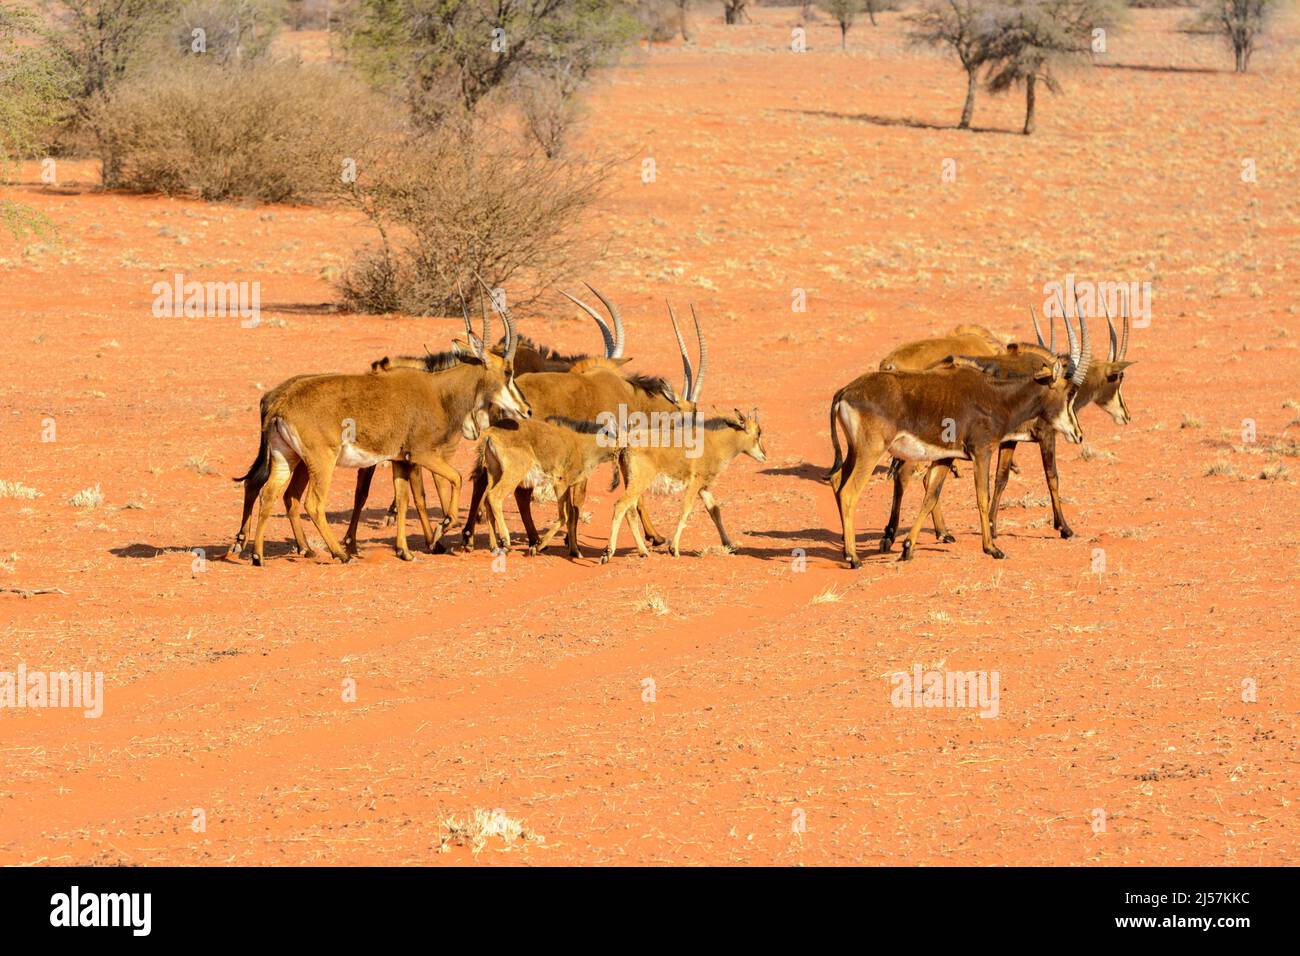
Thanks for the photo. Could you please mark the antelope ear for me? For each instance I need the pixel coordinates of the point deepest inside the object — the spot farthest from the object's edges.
(740, 416)
(1120, 366)
(383, 365)
(753, 415)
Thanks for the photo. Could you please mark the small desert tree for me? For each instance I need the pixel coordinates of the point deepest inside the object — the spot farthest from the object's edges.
(1028, 40)
(33, 94)
(872, 7)
(843, 12)
(100, 43)
(1240, 22)
(962, 25)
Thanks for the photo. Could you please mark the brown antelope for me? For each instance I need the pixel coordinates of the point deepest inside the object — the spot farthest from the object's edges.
(560, 451)
(528, 358)
(684, 452)
(973, 340)
(404, 416)
(591, 391)
(961, 411)
(1102, 386)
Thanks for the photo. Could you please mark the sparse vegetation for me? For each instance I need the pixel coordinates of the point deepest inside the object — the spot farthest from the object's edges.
(650, 602)
(16, 489)
(273, 132)
(87, 498)
(1240, 23)
(1189, 421)
(475, 832)
(1221, 467)
(827, 596)
(451, 203)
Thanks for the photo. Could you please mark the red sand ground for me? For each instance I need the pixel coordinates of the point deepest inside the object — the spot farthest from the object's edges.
(522, 690)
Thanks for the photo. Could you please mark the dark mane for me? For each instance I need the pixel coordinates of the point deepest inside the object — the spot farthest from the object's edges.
(577, 425)
(717, 424)
(430, 361)
(652, 385)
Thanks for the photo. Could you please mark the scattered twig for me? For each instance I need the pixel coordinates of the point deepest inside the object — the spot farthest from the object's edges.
(30, 592)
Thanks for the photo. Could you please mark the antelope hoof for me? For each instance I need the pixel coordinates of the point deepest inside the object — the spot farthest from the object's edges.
(257, 560)
(1066, 532)
(947, 538)
(604, 558)
(995, 552)
(342, 557)
(390, 519)
(405, 555)
(675, 552)
(532, 551)
(886, 544)
(854, 561)
(907, 552)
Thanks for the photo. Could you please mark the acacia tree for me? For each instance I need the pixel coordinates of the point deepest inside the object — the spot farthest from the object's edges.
(964, 26)
(1240, 22)
(843, 12)
(1028, 40)
(733, 11)
(100, 42)
(450, 54)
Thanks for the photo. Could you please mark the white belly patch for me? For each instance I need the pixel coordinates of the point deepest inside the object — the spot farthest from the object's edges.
(666, 485)
(542, 484)
(910, 448)
(352, 456)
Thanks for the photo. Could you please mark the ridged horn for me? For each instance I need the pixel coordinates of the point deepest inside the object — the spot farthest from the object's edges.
(681, 347)
(604, 329)
(615, 316)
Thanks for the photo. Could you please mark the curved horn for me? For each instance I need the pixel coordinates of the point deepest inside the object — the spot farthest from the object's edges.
(1085, 345)
(617, 319)
(507, 320)
(1123, 342)
(681, 346)
(1110, 327)
(704, 356)
(469, 328)
(1038, 333)
(604, 329)
(1069, 332)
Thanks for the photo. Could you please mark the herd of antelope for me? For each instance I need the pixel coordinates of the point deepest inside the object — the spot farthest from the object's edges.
(545, 422)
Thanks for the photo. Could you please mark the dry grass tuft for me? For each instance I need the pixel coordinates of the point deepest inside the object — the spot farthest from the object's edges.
(828, 596)
(481, 827)
(16, 489)
(650, 602)
(88, 498)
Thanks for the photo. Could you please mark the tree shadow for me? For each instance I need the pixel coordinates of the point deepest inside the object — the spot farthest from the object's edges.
(1148, 68)
(905, 121)
(308, 308)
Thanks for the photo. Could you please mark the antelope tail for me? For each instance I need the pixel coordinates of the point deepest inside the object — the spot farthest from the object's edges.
(260, 470)
(835, 439)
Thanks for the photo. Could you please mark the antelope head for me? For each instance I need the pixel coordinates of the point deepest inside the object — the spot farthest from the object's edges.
(1109, 394)
(752, 444)
(499, 395)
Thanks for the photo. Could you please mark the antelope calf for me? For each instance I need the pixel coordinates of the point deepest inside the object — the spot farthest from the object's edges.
(962, 411)
(692, 458)
(559, 452)
(644, 463)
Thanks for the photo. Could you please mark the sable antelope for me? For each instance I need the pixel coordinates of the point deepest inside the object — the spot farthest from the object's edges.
(974, 340)
(292, 492)
(528, 359)
(590, 391)
(962, 411)
(560, 451)
(701, 451)
(1102, 386)
(404, 416)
